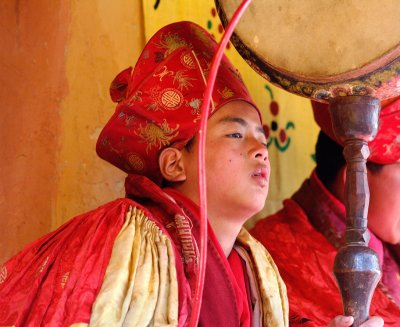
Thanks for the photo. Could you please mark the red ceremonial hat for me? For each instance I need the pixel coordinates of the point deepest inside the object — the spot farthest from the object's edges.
(159, 102)
(385, 147)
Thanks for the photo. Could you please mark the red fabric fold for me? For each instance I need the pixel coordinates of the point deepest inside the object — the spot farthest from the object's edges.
(305, 259)
(242, 290)
(54, 281)
(225, 295)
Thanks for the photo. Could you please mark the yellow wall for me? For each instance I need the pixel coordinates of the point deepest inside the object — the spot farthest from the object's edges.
(57, 61)
(105, 37)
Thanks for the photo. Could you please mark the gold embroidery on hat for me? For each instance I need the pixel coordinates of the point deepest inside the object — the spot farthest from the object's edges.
(154, 95)
(171, 99)
(136, 97)
(195, 104)
(187, 60)
(236, 74)
(157, 136)
(202, 36)
(226, 93)
(171, 42)
(202, 72)
(3, 274)
(183, 80)
(164, 72)
(136, 162)
(128, 118)
(106, 142)
(153, 107)
(206, 68)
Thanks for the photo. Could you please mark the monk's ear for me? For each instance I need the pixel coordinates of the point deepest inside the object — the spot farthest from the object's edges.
(171, 165)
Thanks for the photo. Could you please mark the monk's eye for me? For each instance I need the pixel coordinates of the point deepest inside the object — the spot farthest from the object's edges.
(264, 142)
(235, 135)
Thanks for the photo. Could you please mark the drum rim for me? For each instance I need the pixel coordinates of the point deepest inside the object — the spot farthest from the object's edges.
(362, 81)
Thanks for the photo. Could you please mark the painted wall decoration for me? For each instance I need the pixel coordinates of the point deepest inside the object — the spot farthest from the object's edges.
(277, 135)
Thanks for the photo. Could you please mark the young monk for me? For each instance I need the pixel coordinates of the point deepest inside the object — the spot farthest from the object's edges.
(134, 261)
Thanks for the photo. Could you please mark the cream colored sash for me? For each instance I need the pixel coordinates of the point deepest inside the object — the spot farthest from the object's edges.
(140, 287)
(268, 290)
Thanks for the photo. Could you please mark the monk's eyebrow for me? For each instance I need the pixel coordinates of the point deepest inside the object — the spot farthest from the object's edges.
(230, 119)
(240, 121)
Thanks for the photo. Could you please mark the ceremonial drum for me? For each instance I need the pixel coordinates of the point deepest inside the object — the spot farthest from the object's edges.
(345, 53)
(321, 48)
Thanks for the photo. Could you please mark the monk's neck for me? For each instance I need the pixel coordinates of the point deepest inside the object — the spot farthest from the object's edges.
(226, 231)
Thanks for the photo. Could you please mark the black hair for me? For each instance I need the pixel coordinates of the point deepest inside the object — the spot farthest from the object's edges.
(189, 145)
(374, 167)
(330, 159)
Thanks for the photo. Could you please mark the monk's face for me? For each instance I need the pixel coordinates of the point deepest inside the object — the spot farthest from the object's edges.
(384, 208)
(236, 161)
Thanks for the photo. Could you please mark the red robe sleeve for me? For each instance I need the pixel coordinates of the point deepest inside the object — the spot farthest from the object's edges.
(54, 281)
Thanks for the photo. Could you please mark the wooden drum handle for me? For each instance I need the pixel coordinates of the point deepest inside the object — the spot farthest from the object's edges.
(356, 267)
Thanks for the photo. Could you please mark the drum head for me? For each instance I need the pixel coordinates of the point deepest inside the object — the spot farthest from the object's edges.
(321, 49)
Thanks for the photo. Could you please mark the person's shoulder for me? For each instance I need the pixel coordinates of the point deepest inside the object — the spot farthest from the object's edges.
(290, 214)
(110, 213)
(119, 202)
(284, 229)
(120, 205)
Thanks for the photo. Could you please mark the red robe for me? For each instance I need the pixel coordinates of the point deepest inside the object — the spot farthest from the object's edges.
(305, 257)
(56, 280)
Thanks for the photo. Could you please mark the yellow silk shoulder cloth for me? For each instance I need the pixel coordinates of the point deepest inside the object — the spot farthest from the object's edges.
(140, 287)
(268, 291)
